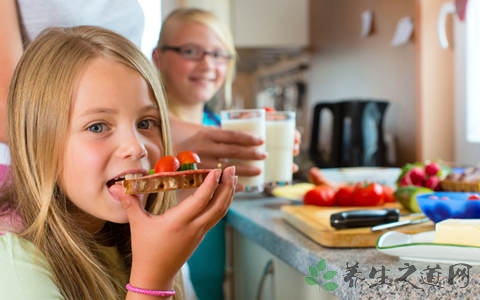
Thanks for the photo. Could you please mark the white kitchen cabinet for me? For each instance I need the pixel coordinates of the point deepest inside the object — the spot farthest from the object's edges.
(254, 24)
(283, 283)
(270, 23)
(249, 261)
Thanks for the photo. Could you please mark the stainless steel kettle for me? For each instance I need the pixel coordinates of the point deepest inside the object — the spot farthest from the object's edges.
(357, 137)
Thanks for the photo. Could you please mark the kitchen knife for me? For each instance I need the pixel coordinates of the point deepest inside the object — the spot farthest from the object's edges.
(399, 224)
(363, 218)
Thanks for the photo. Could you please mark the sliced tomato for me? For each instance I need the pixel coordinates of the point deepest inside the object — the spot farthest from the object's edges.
(188, 157)
(368, 195)
(167, 164)
(344, 195)
(322, 195)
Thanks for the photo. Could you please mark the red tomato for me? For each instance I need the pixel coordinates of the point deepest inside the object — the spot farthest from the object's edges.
(474, 197)
(269, 109)
(343, 196)
(167, 164)
(369, 195)
(188, 157)
(321, 195)
(388, 194)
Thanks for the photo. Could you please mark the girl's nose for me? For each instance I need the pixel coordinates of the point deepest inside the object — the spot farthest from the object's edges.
(208, 60)
(133, 148)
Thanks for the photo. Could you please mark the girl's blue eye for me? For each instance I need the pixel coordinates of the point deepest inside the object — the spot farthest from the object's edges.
(146, 124)
(96, 128)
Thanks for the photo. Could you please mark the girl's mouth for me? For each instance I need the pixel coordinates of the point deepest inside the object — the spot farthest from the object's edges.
(122, 178)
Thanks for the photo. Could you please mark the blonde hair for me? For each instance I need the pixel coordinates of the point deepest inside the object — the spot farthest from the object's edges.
(39, 104)
(184, 15)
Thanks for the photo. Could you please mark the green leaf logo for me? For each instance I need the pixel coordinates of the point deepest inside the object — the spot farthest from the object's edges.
(310, 280)
(322, 264)
(328, 275)
(313, 271)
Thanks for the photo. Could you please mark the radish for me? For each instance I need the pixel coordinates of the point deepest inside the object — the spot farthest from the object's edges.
(433, 183)
(417, 175)
(432, 169)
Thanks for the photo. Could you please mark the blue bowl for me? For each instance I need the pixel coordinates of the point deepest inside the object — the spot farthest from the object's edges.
(439, 206)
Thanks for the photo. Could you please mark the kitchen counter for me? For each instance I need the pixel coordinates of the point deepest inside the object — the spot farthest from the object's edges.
(377, 276)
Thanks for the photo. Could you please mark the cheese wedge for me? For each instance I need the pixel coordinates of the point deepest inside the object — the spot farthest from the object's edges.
(458, 232)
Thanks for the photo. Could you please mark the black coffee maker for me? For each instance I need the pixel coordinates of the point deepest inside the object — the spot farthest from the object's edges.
(357, 137)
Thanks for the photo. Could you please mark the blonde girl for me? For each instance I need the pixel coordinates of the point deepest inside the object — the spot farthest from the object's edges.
(84, 109)
(196, 58)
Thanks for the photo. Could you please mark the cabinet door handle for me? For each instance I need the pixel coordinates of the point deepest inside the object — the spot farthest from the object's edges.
(446, 9)
(267, 270)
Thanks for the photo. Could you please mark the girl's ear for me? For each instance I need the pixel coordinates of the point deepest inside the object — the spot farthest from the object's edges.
(156, 57)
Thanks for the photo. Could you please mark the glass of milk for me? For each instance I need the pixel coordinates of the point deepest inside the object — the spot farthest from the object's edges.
(250, 121)
(280, 135)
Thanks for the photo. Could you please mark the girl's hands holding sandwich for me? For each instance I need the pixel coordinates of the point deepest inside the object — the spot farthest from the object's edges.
(162, 243)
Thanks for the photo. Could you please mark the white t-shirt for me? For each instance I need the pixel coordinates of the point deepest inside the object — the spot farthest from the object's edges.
(122, 16)
(4, 154)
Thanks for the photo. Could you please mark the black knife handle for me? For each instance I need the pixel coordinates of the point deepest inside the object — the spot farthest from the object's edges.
(363, 218)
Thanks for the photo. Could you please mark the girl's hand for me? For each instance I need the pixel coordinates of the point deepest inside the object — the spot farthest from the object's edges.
(296, 148)
(217, 147)
(162, 243)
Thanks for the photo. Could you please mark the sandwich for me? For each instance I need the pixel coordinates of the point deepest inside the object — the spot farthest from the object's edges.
(170, 173)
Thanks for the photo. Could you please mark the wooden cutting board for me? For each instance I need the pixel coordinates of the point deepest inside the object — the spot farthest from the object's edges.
(314, 221)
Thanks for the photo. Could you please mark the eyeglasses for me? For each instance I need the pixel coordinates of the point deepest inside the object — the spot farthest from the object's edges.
(196, 53)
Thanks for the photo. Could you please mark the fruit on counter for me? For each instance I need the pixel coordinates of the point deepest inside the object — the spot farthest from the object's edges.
(360, 194)
(388, 196)
(432, 168)
(426, 175)
(407, 196)
(343, 196)
(370, 194)
(322, 195)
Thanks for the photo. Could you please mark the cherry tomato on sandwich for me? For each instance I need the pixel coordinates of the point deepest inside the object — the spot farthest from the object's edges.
(188, 157)
(322, 195)
(344, 195)
(368, 195)
(167, 164)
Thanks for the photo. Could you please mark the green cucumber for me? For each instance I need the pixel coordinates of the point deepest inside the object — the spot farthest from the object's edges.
(407, 196)
(185, 167)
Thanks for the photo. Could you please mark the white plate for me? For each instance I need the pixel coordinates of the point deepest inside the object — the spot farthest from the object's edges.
(420, 247)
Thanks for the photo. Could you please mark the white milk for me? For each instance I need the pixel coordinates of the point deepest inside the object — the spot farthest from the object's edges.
(254, 125)
(279, 145)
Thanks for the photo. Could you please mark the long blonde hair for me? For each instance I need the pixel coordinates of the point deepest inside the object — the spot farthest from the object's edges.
(183, 15)
(39, 104)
